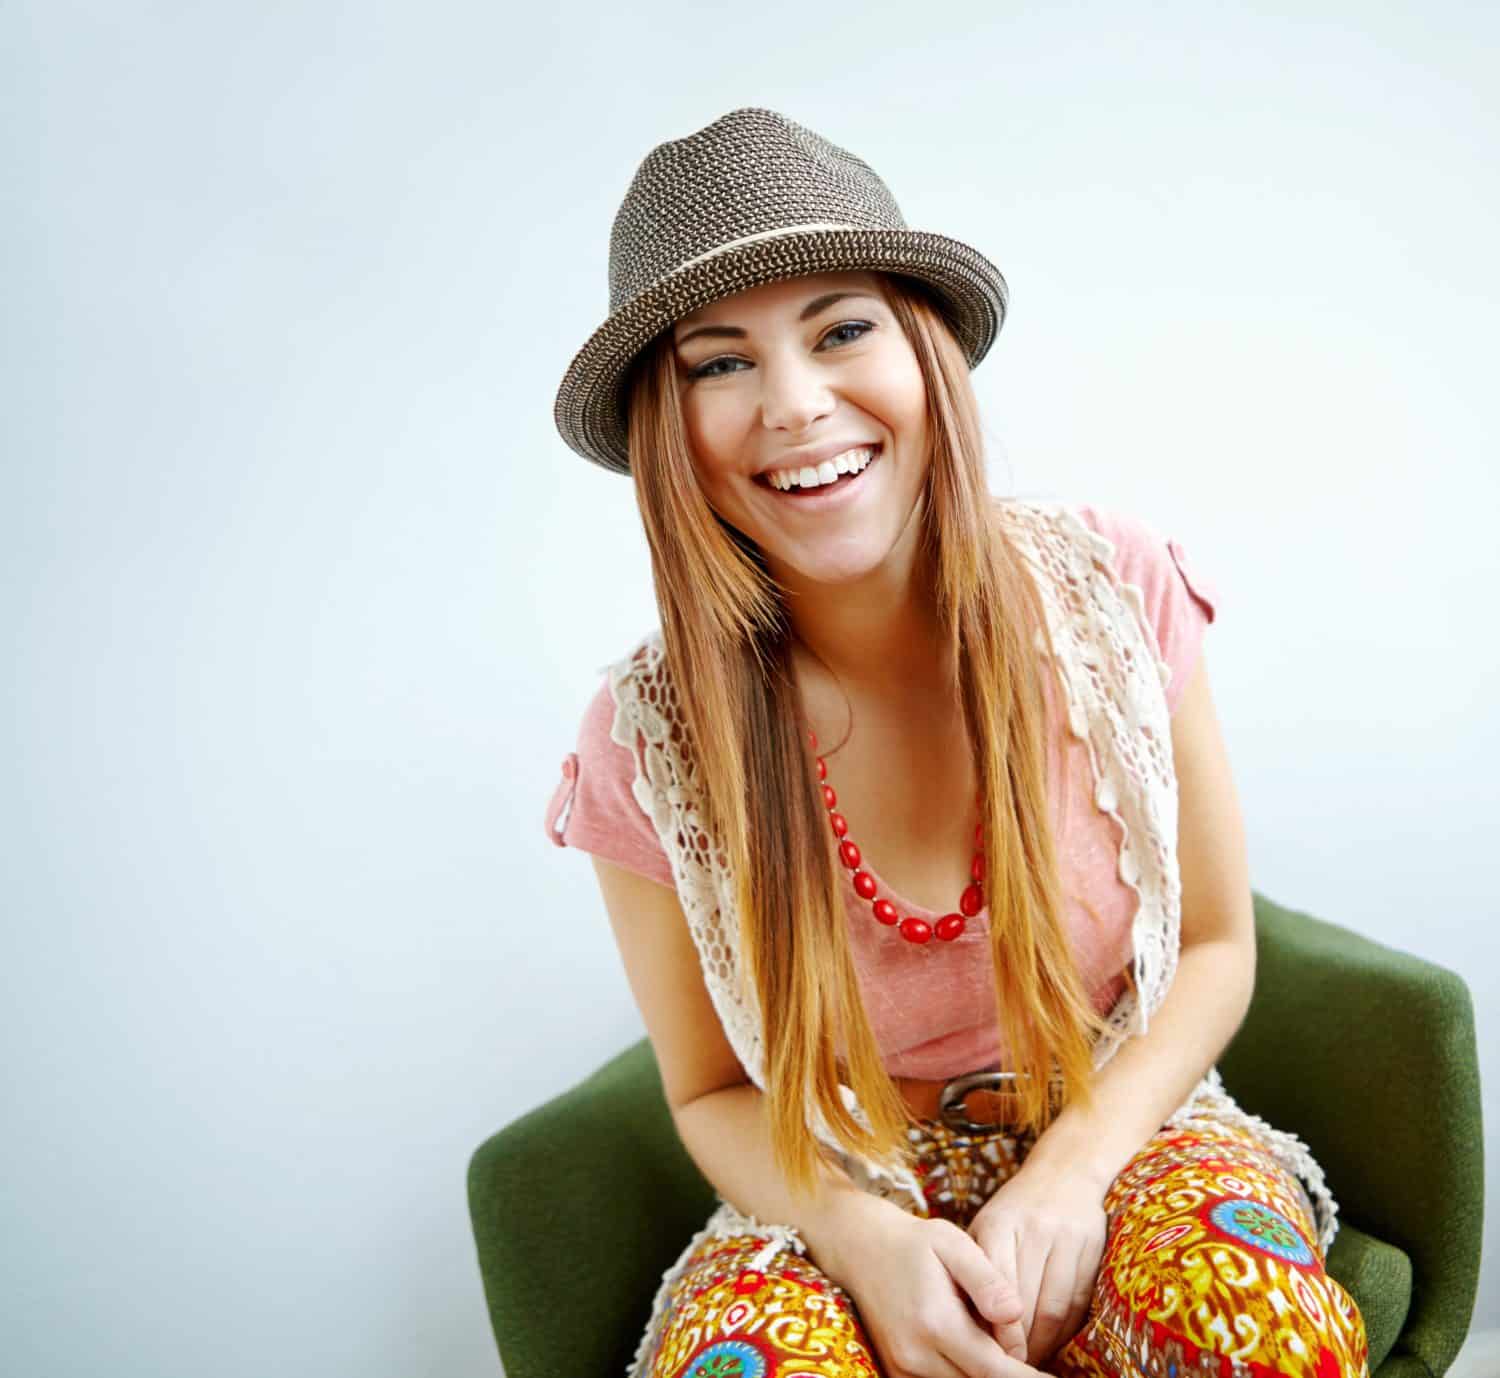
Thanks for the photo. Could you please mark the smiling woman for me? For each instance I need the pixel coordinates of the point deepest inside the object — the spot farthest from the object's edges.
(785, 377)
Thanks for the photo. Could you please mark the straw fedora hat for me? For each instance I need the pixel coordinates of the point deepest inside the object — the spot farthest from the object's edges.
(752, 198)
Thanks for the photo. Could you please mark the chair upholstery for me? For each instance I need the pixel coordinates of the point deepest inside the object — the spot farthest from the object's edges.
(592, 1194)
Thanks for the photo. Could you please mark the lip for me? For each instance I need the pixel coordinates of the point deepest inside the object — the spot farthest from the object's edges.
(834, 495)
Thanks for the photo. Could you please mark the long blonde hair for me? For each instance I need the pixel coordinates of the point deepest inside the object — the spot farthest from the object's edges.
(728, 647)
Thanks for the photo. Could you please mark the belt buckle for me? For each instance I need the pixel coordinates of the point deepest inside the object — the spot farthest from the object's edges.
(951, 1108)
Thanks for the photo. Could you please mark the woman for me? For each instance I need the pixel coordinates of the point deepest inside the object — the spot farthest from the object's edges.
(943, 1145)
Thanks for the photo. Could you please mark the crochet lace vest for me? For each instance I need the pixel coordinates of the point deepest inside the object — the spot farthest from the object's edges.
(1114, 680)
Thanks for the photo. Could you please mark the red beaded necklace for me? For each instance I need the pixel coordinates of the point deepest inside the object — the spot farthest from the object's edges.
(913, 929)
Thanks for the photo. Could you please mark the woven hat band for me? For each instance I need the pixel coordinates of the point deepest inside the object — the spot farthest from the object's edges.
(708, 255)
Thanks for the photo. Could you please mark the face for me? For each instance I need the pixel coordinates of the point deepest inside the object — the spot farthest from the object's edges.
(790, 376)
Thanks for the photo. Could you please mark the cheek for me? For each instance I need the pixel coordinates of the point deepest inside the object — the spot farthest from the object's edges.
(713, 461)
(900, 395)
(914, 390)
(711, 422)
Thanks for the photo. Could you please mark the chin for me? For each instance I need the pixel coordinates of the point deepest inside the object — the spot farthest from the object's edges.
(848, 569)
(844, 557)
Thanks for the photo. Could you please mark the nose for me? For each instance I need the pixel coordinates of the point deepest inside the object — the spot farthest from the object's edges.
(794, 394)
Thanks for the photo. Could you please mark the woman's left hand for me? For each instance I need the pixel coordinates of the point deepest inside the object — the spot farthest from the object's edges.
(1047, 1230)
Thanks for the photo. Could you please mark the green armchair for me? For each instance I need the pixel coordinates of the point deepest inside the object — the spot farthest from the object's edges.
(592, 1193)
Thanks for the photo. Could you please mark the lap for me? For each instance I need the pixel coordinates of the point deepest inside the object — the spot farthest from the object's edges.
(737, 1314)
(1210, 1255)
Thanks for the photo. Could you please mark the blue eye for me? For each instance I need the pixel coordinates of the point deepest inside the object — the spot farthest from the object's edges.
(861, 326)
(703, 370)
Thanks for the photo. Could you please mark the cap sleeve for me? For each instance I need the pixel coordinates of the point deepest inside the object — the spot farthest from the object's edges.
(593, 808)
(1180, 603)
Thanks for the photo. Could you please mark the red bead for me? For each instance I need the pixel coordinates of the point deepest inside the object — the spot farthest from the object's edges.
(950, 926)
(913, 929)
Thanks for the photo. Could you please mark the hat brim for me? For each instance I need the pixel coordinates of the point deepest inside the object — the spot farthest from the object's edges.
(590, 407)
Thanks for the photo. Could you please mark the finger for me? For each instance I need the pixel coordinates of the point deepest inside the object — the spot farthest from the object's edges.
(933, 1365)
(978, 1356)
(1031, 1258)
(1054, 1301)
(993, 1293)
(1083, 1295)
(1006, 1320)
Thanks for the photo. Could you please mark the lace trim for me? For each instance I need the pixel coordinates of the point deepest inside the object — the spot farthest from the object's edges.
(649, 724)
(1122, 720)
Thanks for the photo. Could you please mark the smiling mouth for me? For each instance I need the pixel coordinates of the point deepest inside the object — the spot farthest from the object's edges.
(843, 481)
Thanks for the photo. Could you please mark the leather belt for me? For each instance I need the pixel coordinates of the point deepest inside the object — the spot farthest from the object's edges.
(973, 1102)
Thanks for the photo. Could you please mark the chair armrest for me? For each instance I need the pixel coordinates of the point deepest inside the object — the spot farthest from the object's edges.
(1378, 1276)
(1368, 1054)
(589, 1195)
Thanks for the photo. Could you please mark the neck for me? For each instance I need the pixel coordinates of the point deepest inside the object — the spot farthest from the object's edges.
(877, 637)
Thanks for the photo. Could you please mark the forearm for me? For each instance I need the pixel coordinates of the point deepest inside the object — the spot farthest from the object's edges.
(1153, 1073)
(727, 1134)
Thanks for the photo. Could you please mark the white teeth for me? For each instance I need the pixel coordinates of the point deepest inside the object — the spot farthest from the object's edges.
(850, 462)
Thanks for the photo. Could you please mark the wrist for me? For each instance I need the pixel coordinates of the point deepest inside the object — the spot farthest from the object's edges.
(1056, 1165)
(837, 1235)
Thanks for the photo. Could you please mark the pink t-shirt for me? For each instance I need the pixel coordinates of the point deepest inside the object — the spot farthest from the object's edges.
(932, 1006)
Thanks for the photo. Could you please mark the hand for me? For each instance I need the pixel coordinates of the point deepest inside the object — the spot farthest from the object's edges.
(913, 1280)
(1047, 1230)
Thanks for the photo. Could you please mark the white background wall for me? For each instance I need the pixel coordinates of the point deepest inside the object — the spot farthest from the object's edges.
(304, 595)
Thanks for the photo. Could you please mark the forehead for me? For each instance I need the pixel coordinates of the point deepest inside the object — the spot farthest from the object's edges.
(780, 295)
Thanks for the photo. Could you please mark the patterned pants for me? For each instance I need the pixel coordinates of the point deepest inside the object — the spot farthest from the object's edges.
(1209, 1268)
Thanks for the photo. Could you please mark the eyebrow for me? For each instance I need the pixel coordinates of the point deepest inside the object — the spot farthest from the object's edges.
(812, 308)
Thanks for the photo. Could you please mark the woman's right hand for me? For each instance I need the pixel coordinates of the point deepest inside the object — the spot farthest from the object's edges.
(914, 1280)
